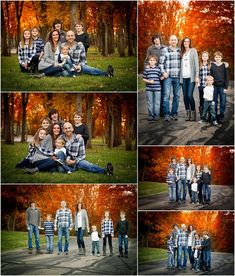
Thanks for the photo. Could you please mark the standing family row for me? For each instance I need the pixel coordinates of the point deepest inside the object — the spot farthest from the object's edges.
(64, 224)
(185, 175)
(168, 67)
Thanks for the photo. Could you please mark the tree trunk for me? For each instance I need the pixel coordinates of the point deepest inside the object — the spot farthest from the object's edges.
(73, 13)
(90, 101)
(128, 28)
(24, 102)
(5, 47)
(8, 113)
(79, 102)
(130, 121)
(121, 37)
(18, 10)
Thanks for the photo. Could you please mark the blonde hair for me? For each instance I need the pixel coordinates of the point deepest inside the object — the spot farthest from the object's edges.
(209, 77)
(208, 62)
(60, 139)
(23, 39)
(36, 139)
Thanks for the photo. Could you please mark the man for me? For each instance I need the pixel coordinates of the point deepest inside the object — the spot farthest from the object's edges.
(33, 220)
(170, 65)
(64, 223)
(76, 153)
(182, 247)
(78, 54)
(181, 174)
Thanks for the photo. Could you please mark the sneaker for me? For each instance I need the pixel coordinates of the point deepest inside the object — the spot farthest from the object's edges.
(150, 119)
(92, 254)
(39, 76)
(109, 169)
(110, 71)
(167, 119)
(215, 123)
(50, 252)
(31, 170)
(192, 202)
(156, 118)
(98, 255)
(69, 172)
(39, 251)
(200, 122)
(120, 255)
(59, 253)
(66, 253)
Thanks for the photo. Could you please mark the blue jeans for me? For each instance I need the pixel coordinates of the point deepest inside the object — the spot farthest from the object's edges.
(153, 102)
(194, 197)
(85, 69)
(170, 260)
(33, 230)
(175, 83)
(45, 164)
(208, 106)
(206, 191)
(50, 243)
(80, 234)
(95, 245)
(60, 155)
(69, 67)
(181, 189)
(207, 259)
(122, 239)
(188, 88)
(87, 166)
(190, 255)
(182, 250)
(219, 94)
(63, 231)
(172, 193)
(52, 71)
(175, 255)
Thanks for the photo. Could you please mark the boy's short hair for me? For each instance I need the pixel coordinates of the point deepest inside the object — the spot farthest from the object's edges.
(49, 215)
(205, 233)
(78, 114)
(152, 56)
(36, 29)
(175, 225)
(62, 140)
(168, 236)
(63, 45)
(209, 77)
(172, 158)
(53, 111)
(123, 212)
(156, 36)
(218, 53)
(79, 23)
(170, 169)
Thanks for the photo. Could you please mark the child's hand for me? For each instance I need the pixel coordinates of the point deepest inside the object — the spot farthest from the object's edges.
(151, 81)
(225, 90)
(28, 228)
(126, 236)
(55, 229)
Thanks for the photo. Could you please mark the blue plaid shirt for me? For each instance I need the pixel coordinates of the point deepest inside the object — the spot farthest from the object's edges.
(107, 227)
(39, 45)
(183, 238)
(78, 53)
(170, 62)
(181, 171)
(203, 73)
(64, 218)
(26, 53)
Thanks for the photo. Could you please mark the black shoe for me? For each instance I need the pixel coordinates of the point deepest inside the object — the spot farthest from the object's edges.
(39, 251)
(109, 169)
(110, 71)
(31, 170)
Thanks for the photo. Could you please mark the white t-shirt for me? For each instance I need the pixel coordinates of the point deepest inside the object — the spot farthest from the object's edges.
(188, 173)
(194, 187)
(208, 93)
(61, 149)
(79, 219)
(186, 72)
(64, 57)
(95, 236)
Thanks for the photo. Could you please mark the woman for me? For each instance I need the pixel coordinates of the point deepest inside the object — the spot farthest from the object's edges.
(191, 233)
(48, 66)
(79, 128)
(42, 159)
(190, 175)
(189, 76)
(81, 222)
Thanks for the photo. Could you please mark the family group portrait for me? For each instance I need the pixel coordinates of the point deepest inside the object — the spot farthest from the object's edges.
(69, 45)
(53, 138)
(91, 227)
(186, 72)
(186, 242)
(186, 178)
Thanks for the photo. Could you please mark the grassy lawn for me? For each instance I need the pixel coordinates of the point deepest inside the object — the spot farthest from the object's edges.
(141, 84)
(125, 76)
(124, 163)
(151, 188)
(151, 254)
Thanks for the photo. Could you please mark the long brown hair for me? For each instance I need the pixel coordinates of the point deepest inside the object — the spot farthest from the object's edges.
(52, 134)
(208, 62)
(23, 39)
(182, 45)
(51, 40)
(77, 210)
(36, 139)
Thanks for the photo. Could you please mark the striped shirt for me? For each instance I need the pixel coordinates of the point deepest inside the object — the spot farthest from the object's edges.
(170, 180)
(49, 228)
(78, 53)
(181, 171)
(107, 227)
(170, 62)
(183, 238)
(204, 71)
(39, 45)
(64, 218)
(170, 247)
(26, 53)
(198, 175)
(152, 73)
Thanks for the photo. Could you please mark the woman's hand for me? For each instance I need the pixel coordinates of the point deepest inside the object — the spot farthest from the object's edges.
(196, 79)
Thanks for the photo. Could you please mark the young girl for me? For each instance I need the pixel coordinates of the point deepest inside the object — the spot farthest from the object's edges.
(26, 51)
(39, 45)
(107, 232)
(198, 175)
(197, 252)
(46, 123)
(81, 36)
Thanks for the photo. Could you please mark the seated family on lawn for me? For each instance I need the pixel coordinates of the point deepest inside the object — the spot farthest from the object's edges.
(64, 54)
(186, 174)
(166, 68)
(63, 223)
(60, 146)
(186, 243)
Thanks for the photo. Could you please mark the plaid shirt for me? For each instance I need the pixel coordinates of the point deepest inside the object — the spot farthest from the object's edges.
(197, 243)
(78, 53)
(32, 150)
(181, 171)
(152, 73)
(75, 148)
(107, 227)
(26, 53)
(183, 238)
(64, 218)
(198, 175)
(39, 45)
(203, 73)
(170, 62)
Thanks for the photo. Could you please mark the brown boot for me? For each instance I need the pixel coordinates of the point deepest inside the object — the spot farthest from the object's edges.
(30, 250)
(188, 115)
(193, 115)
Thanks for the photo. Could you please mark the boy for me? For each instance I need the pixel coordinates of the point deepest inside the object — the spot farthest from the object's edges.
(107, 232)
(175, 234)
(170, 252)
(152, 76)
(81, 36)
(220, 73)
(49, 233)
(95, 239)
(206, 185)
(171, 181)
(122, 229)
(65, 60)
(194, 188)
(206, 246)
(208, 103)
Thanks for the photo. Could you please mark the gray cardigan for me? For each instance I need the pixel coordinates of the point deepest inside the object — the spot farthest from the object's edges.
(48, 145)
(85, 221)
(48, 58)
(194, 65)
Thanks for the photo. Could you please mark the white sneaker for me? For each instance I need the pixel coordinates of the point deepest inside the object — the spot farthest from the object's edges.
(215, 123)
(98, 255)
(200, 122)
(69, 172)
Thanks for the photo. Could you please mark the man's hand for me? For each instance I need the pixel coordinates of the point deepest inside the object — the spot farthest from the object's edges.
(165, 75)
(78, 68)
(151, 81)
(71, 162)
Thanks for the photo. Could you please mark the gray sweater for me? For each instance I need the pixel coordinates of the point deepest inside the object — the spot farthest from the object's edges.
(33, 216)
(194, 65)
(48, 57)
(85, 221)
(48, 145)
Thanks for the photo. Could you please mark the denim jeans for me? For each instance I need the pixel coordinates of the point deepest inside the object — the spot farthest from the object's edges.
(207, 258)
(87, 166)
(33, 230)
(190, 255)
(201, 99)
(63, 231)
(208, 106)
(153, 102)
(219, 94)
(52, 71)
(85, 69)
(45, 164)
(122, 239)
(80, 234)
(188, 88)
(206, 191)
(172, 193)
(170, 260)
(196, 264)
(50, 243)
(181, 189)
(60, 155)
(189, 188)
(182, 250)
(194, 197)
(176, 256)
(175, 83)
(95, 245)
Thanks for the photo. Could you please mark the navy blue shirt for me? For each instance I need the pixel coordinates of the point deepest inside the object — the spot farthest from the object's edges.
(153, 73)
(49, 228)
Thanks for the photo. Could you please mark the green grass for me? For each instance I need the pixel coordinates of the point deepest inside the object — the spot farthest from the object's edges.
(124, 163)
(141, 84)
(151, 254)
(151, 188)
(125, 76)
